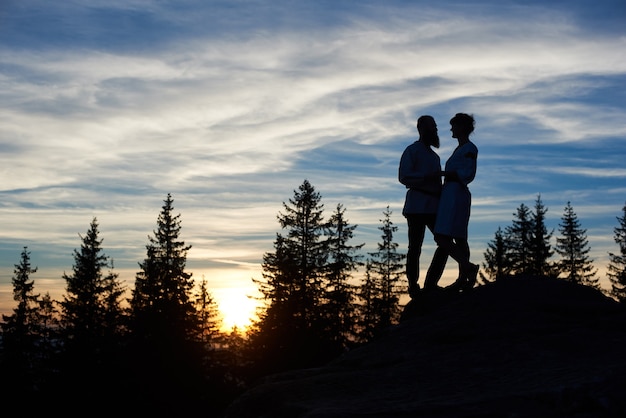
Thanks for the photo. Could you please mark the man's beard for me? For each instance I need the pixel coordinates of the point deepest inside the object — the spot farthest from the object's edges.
(434, 141)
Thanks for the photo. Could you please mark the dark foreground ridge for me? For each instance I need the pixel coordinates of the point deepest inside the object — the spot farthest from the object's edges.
(521, 347)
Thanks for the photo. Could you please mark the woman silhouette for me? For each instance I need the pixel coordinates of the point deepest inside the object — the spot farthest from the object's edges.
(454, 206)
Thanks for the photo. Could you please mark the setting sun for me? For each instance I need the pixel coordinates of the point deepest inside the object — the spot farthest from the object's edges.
(236, 307)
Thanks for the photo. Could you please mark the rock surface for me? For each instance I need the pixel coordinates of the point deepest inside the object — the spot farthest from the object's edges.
(531, 347)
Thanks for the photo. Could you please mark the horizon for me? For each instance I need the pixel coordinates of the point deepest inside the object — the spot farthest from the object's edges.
(238, 307)
(229, 105)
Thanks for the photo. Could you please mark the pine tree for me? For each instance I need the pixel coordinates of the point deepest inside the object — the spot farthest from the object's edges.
(616, 270)
(386, 271)
(518, 236)
(20, 330)
(161, 303)
(87, 302)
(340, 306)
(573, 248)
(540, 247)
(497, 262)
(289, 332)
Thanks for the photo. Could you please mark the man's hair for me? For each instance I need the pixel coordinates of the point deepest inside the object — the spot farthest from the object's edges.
(425, 120)
(426, 126)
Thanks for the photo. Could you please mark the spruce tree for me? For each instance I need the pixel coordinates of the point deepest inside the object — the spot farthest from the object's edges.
(303, 219)
(115, 316)
(369, 316)
(497, 262)
(518, 236)
(161, 303)
(616, 270)
(215, 360)
(87, 302)
(573, 247)
(48, 316)
(344, 260)
(540, 247)
(386, 271)
(20, 330)
(269, 343)
(289, 332)
(169, 359)
(209, 318)
(90, 352)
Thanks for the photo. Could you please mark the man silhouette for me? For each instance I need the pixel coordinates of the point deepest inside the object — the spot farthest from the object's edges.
(420, 172)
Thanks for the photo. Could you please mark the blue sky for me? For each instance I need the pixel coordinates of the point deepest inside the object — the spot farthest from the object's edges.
(107, 106)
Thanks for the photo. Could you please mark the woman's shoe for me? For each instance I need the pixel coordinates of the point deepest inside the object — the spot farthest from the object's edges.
(457, 286)
(470, 280)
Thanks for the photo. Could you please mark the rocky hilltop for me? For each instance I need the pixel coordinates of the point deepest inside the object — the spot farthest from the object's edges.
(520, 347)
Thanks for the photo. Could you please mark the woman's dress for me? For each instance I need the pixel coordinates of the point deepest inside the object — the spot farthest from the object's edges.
(454, 205)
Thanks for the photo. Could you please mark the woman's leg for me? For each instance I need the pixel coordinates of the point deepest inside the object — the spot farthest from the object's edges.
(471, 269)
(459, 251)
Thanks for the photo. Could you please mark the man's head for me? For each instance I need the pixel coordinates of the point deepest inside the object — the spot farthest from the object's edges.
(427, 129)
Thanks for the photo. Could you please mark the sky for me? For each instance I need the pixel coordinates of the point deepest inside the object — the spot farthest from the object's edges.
(108, 106)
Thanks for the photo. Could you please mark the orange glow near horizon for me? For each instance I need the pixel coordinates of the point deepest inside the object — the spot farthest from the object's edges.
(236, 308)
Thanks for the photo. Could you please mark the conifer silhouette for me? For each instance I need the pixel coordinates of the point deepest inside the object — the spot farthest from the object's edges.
(573, 248)
(617, 261)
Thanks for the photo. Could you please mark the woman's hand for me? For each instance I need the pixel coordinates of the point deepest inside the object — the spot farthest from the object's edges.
(450, 175)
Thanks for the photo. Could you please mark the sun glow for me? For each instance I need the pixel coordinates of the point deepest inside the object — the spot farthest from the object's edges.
(236, 307)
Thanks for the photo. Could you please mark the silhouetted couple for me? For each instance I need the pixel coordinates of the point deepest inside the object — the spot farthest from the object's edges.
(443, 208)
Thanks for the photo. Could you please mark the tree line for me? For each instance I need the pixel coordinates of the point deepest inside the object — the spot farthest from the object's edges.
(162, 347)
(524, 248)
(90, 349)
(163, 344)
